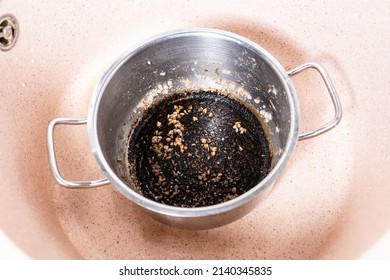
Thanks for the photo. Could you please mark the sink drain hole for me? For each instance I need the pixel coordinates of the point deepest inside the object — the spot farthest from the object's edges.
(8, 32)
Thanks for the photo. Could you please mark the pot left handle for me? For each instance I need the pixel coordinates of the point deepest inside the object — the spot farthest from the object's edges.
(53, 161)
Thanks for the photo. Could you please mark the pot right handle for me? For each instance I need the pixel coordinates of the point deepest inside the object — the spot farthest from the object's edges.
(333, 95)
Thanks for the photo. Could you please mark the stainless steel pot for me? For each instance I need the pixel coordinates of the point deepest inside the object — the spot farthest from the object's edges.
(191, 59)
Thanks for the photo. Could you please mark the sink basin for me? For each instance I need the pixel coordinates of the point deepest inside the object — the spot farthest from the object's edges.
(331, 202)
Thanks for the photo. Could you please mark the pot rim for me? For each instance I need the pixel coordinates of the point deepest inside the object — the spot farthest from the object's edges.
(205, 210)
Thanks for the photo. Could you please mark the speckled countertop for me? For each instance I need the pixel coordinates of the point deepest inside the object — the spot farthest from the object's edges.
(331, 202)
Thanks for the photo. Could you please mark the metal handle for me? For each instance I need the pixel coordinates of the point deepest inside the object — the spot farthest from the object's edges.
(53, 162)
(333, 95)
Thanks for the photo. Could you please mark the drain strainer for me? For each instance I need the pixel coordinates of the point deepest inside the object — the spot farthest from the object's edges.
(8, 32)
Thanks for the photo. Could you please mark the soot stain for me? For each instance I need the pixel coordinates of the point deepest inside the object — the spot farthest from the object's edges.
(194, 149)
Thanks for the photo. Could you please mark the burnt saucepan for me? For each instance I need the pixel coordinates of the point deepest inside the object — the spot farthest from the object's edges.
(194, 126)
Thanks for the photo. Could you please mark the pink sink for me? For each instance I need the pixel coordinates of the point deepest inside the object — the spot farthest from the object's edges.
(331, 202)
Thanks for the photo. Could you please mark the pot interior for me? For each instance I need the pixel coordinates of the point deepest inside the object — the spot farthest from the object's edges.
(192, 61)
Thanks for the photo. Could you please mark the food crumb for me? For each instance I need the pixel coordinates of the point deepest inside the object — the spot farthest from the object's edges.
(213, 151)
(203, 110)
(238, 128)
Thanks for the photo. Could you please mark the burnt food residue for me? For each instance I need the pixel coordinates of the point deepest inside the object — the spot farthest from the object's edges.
(198, 149)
